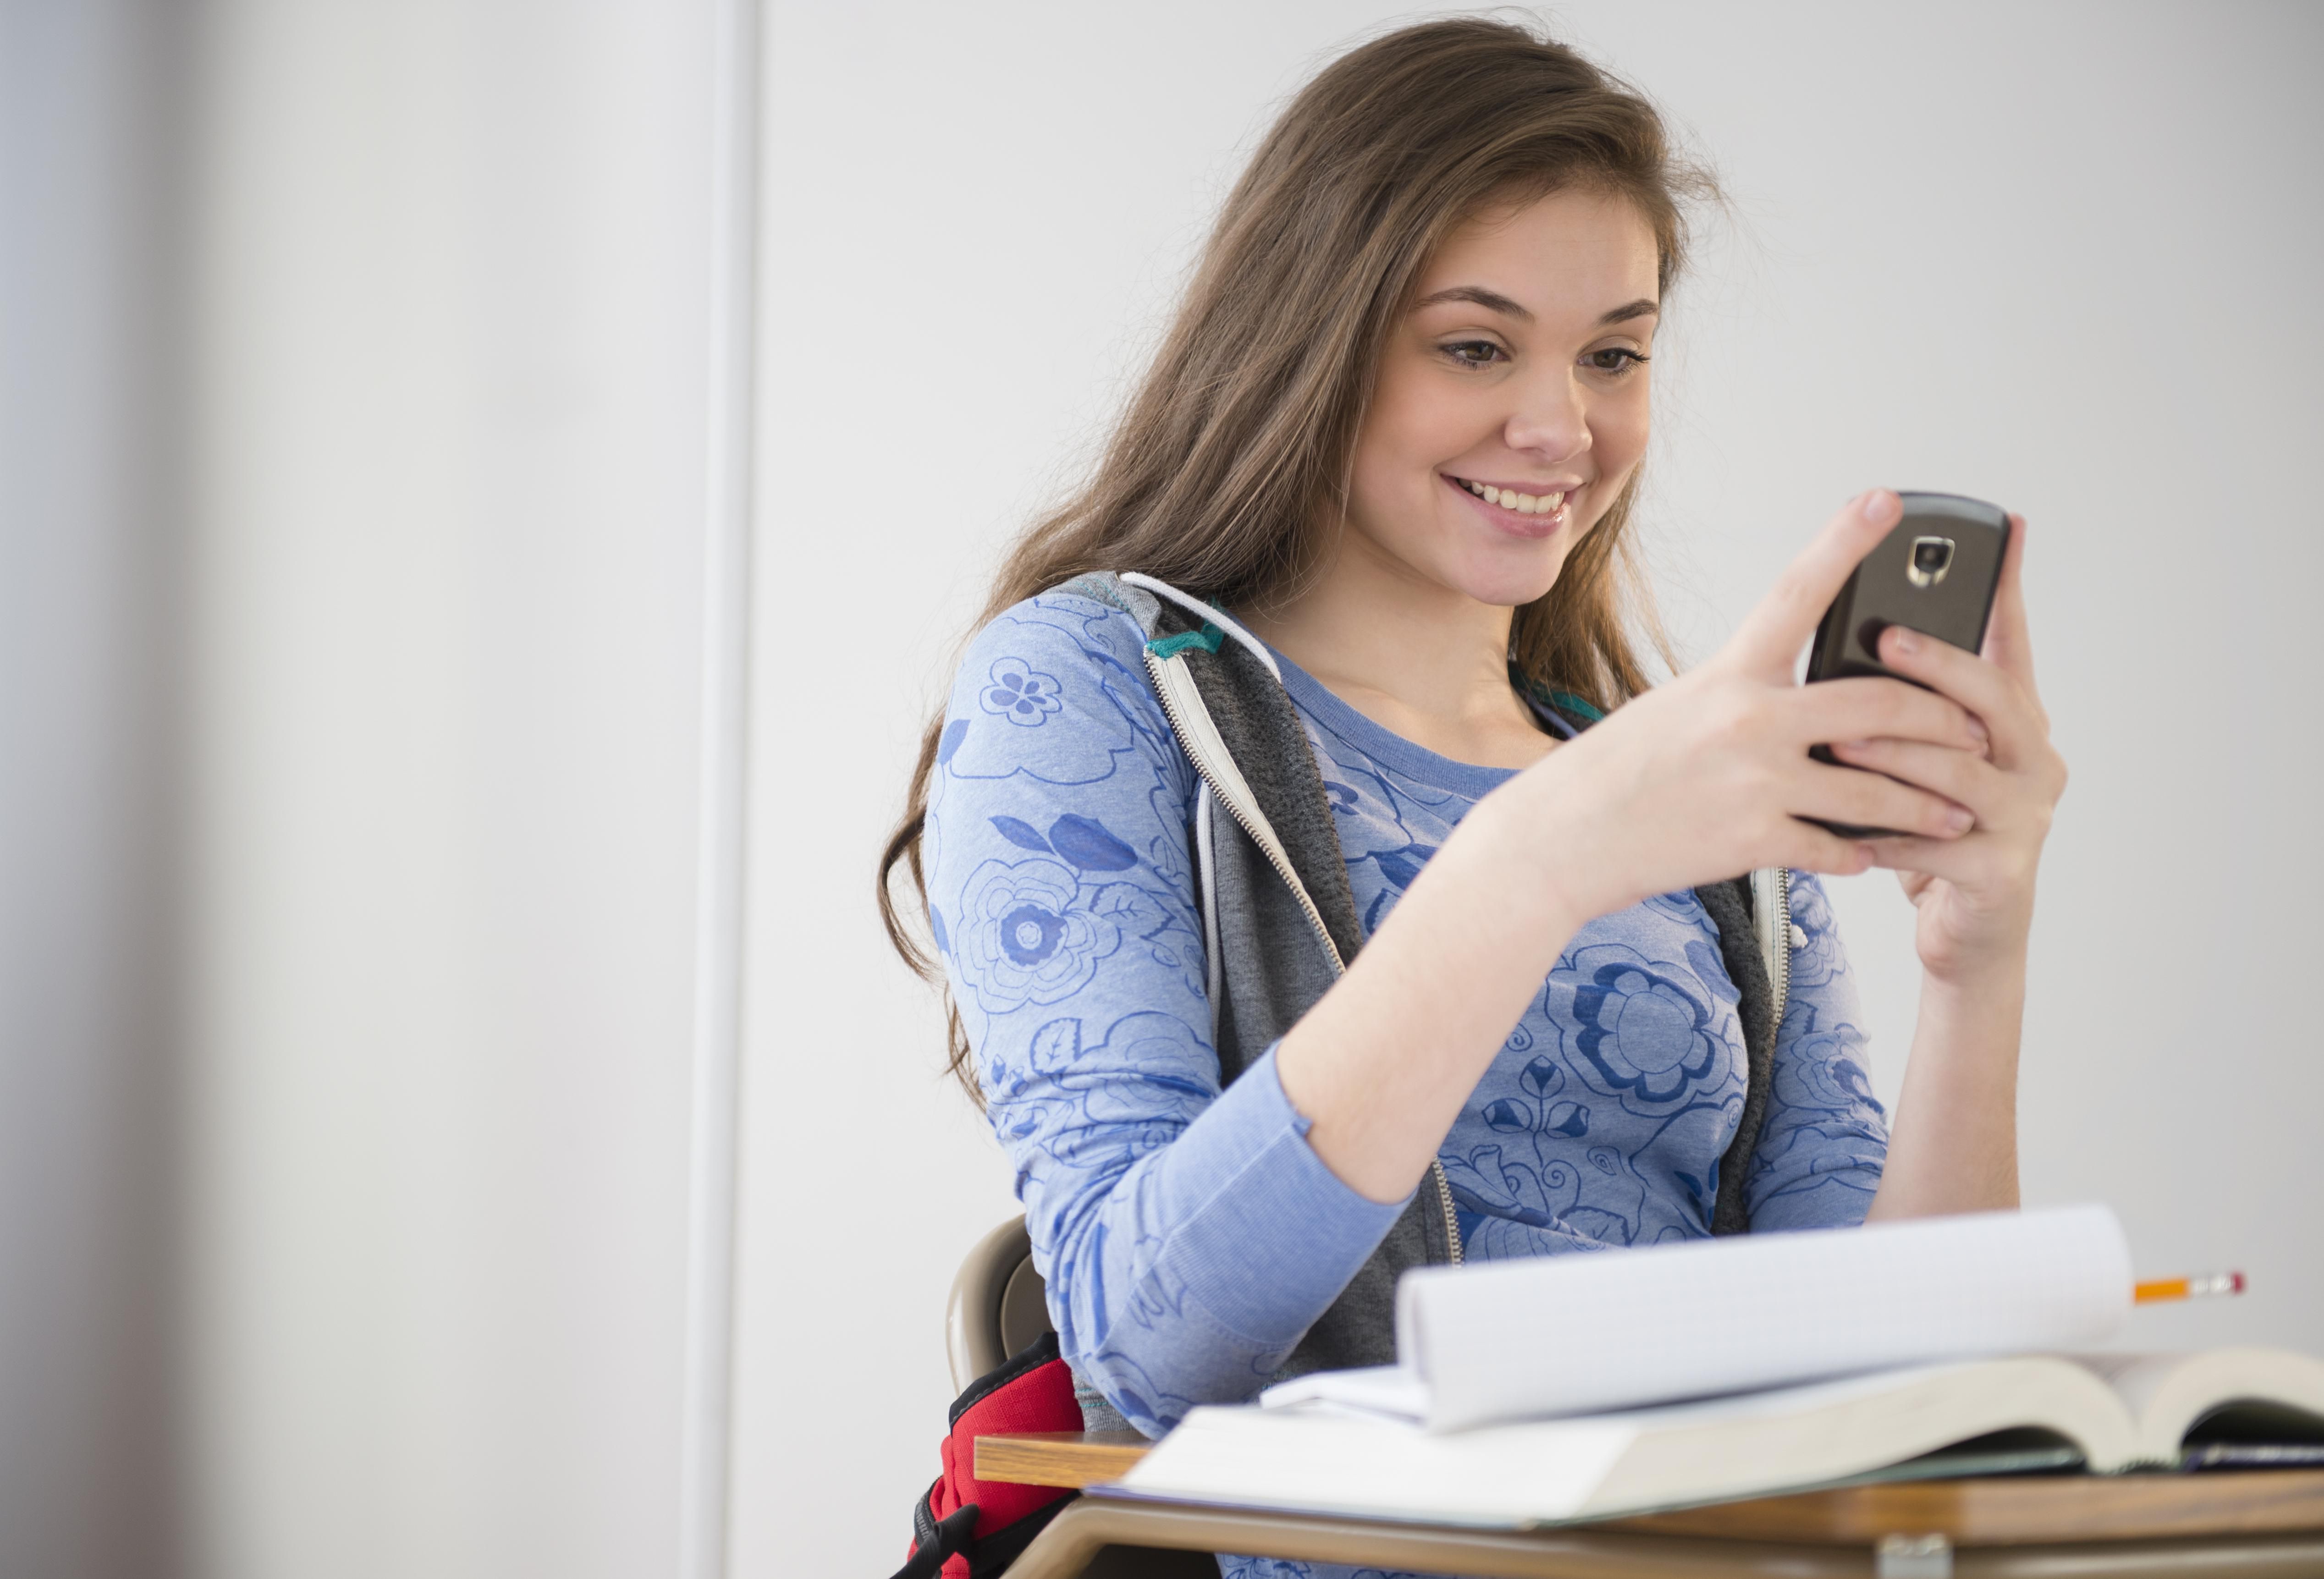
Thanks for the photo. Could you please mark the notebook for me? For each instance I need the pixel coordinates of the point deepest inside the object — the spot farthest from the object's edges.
(2108, 1412)
(1584, 1332)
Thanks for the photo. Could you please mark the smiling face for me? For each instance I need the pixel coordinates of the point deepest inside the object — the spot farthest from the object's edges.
(1512, 404)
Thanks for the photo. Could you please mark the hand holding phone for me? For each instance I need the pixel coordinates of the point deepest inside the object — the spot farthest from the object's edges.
(1935, 572)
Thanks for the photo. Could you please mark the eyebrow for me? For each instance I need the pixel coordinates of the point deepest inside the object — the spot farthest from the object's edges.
(1490, 300)
(1494, 301)
(1643, 307)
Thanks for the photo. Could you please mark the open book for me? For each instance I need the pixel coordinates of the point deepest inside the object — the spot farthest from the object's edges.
(2110, 1412)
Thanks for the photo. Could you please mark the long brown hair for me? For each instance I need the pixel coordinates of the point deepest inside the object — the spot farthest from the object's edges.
(1250, 412)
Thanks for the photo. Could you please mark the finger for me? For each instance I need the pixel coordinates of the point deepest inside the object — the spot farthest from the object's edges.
(1970, 865)
(1874, 800)
(2016, 725)
(2008, 646)
(1770, 638)
(1804, 847)
(1917, 862)
(1867, 708)
(1962, 777)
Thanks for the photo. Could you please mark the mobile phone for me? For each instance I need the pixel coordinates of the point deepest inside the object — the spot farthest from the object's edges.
(1935, 572)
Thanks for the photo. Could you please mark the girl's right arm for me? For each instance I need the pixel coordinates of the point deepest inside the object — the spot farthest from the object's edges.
(1063, 903)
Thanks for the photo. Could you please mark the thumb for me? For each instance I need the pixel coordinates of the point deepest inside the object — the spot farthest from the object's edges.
(1769, 639)
(2006, 641)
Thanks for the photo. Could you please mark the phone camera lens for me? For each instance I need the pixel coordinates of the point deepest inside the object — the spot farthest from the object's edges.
(1931, 558)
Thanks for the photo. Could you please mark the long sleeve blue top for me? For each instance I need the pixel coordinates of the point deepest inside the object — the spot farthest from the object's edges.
(1188, 1234)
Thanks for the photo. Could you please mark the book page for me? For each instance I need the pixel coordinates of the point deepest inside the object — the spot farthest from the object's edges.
(1327, 1462)
(1820, 1432)
(2168, 1393)
(1578, 1333)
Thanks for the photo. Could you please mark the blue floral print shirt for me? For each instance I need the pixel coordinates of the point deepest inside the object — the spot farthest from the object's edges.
(1188, 1236)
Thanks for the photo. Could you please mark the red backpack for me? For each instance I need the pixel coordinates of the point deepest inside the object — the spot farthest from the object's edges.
(968, 1528)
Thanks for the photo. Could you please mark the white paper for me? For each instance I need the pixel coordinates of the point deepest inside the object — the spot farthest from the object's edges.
(1573, 1334)
(1387, 1391)
(1322, 1462)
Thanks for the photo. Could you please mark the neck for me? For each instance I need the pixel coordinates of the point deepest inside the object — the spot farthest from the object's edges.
(1420, 659)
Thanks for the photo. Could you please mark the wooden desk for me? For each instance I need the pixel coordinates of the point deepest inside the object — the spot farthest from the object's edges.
(2250, 1524)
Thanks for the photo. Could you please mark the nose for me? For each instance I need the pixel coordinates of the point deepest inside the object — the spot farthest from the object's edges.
(1552, 420)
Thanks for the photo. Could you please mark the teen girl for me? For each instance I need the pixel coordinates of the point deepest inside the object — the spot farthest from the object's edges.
(1352, 578)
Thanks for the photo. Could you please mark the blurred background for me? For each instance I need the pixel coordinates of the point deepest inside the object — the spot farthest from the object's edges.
(489, 492)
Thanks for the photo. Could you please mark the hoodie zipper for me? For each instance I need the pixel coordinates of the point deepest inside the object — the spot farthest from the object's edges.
(1444, 1203)
(1268, 847)
(1783, 982)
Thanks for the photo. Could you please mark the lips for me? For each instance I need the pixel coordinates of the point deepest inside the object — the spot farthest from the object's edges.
(1515, 509)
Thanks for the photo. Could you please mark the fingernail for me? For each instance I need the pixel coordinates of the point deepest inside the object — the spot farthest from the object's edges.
(1907, 641)
(1959, 820)
(1977, 728)
(1855, 745)
(1866, 854)
(1875, 504)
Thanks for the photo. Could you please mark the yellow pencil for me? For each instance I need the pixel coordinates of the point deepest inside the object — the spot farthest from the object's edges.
(2163, 1289)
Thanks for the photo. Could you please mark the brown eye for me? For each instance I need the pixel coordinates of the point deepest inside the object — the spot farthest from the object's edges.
(1474, 352)
(1615, 359)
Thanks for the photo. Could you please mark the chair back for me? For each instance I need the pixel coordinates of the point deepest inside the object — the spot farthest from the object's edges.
(998, 1304)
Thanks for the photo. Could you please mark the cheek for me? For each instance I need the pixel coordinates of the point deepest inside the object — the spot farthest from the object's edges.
(1391, 447)
(1415, 424)
(1618, 427)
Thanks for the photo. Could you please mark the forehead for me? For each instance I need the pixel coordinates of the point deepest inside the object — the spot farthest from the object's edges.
(1571, 253)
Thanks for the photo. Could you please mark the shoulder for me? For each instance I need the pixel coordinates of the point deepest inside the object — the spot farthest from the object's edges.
(1071, 627)
(1055, 688)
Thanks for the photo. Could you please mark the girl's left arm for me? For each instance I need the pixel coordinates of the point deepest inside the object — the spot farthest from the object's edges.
(1954, 1147)
(1823, 1144)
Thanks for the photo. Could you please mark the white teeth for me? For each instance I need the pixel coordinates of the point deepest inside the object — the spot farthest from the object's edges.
(1510, 499)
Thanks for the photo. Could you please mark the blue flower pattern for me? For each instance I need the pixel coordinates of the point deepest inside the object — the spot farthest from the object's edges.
(1028, 932)
(1063, 892)
(1022, 695)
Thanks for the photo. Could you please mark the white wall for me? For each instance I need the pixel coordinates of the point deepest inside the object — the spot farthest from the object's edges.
(2060, 257)
(450, 342)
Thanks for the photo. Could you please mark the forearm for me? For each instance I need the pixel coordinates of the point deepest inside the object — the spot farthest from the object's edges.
(1187, 1274)
(1383, 1061)
(1953, 1147)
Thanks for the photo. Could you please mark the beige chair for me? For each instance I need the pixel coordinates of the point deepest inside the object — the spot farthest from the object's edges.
(997, 1306)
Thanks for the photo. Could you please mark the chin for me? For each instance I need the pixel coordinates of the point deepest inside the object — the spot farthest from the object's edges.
(1509, 581)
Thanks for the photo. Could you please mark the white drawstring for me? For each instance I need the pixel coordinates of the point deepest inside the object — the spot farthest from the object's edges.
(1205, 851)
(1197, 607)
(1213, 967)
